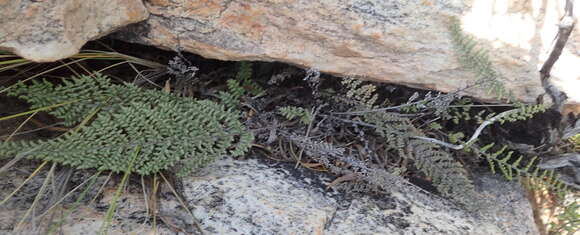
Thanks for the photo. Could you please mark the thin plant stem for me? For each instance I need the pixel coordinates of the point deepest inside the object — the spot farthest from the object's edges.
(20, 126)
(38, 110)
(45, 72)
(23, 183)
(76, 203)
(90, 179)
(195, 221)
(113, 206)
(38, 196)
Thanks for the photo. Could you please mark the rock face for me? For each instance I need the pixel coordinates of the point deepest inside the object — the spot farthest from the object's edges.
(248, 197)
(403, 42)
(252, 197)
(50, 30)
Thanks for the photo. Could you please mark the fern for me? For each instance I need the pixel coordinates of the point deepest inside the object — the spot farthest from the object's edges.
(336, 160)
(575, 141)
(477, 60)
(448, 175)
(359, 94)
(242, 85)
(231, 99)
(82, 96)
(568, 220)
(171, 131)
(456, 137)
(291, 112)
(511, 167)
(461, 111)
(524, 112)
(244, 76)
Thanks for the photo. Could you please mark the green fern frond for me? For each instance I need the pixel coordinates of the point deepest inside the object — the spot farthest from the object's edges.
(231, 98)
(244, 76)
(292, 112)
(235, 88)
(575, 141)
(172, 131)
(568, 219)
(87, 92)
(456, 137)
(510, 168)
(242, 85)
(524, 112)
(394, 128)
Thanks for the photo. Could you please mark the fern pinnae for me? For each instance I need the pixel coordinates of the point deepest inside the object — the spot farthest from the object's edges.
(292, 112)
(477, 60)
(359, 94)
(502, 158)
(173, 131)
(244, 77)
(448, 176)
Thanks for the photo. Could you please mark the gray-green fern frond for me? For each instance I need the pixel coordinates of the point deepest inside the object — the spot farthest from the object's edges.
(359, 94)
(80, 95)
(522, 113)
(292, 112)
(337, 161)
(477, 60)
(448, 175)
(171, 131)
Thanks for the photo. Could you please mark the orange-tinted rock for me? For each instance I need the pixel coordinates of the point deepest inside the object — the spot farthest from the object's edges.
(392, 41)
(50, 30)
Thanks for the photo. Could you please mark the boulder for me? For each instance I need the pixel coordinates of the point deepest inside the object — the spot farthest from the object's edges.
(44, 31)
(258, 197)
(404, 42)
(255, 197)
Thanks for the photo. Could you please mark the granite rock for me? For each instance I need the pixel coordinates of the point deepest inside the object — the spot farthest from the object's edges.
(46, 31)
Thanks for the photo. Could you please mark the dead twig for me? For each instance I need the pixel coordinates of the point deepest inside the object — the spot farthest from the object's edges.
(475, 134)
(564, 30)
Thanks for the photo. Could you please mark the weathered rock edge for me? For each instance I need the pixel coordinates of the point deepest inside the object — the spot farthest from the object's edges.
(46, 31)
(403, 42)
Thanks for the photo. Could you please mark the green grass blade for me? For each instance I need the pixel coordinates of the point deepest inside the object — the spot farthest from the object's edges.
(112, 208)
